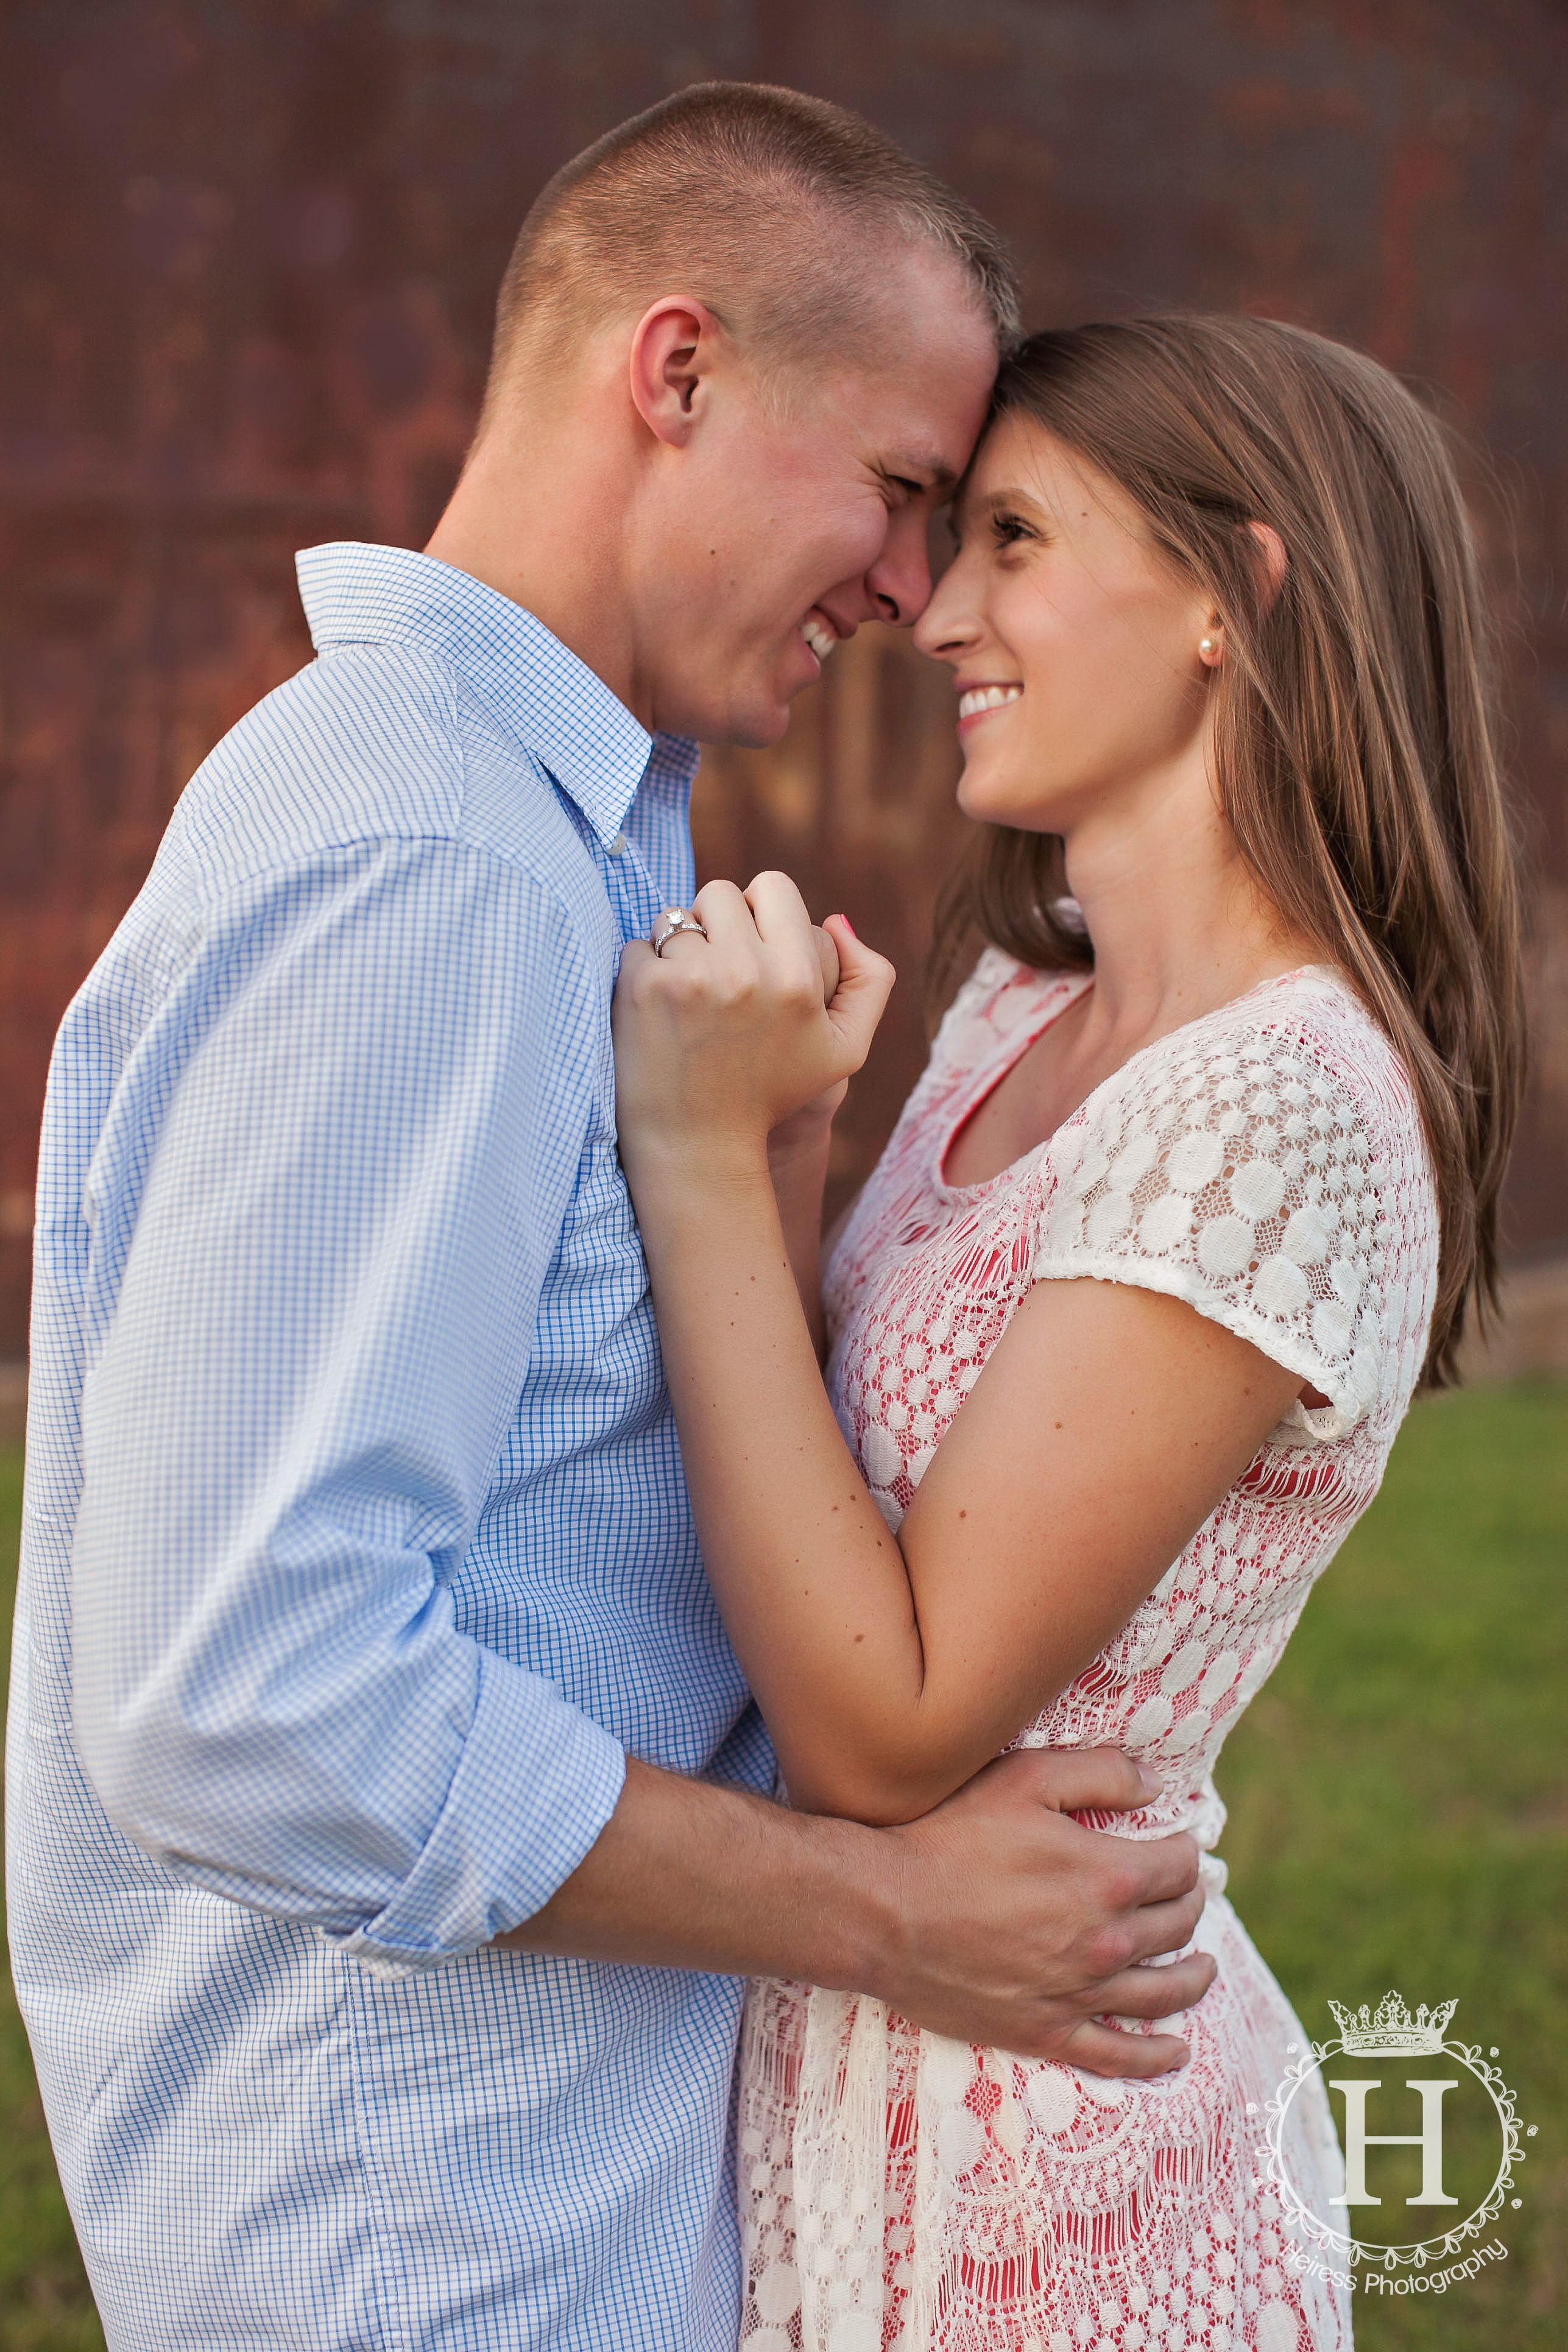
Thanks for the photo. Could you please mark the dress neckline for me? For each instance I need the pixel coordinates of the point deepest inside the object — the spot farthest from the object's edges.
(1055, 999)
(1011, 1049)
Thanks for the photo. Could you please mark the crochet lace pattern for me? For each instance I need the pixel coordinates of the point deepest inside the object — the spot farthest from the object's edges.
(901, 2192)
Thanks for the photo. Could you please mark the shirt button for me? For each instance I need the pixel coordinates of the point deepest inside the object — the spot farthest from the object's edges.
(618, 846)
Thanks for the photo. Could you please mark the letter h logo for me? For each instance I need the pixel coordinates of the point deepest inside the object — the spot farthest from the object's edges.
(1428, 2139)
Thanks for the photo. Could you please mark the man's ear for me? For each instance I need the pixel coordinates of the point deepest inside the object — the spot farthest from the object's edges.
(672, 353)
(1273, 561)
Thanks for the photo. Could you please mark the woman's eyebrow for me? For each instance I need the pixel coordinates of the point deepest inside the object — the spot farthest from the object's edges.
(1004, 498)
(971, 506)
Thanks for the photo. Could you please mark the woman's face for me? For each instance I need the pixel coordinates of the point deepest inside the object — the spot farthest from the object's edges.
(1074, 645)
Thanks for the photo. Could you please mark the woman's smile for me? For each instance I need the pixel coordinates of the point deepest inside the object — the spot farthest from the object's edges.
(977, 702)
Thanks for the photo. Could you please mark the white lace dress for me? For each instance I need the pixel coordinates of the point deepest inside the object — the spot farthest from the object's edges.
(1267, 1164)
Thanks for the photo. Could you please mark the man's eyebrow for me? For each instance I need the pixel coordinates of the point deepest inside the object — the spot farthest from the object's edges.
(909, 466)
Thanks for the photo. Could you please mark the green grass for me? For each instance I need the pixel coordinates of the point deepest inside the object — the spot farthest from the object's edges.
(1399, 1816)
(1399, 1807)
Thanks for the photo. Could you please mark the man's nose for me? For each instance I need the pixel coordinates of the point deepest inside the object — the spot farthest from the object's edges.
(899, 579)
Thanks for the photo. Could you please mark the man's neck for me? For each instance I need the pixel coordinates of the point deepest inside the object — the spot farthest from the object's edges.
(534, 519)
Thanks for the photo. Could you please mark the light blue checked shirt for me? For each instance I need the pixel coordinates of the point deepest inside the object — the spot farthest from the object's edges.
(356, 1550)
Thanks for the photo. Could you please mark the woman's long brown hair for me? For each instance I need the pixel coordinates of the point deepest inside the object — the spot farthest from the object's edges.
(1355, 742)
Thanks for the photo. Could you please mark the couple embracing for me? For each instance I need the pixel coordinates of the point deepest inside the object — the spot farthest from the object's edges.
(578, 1780)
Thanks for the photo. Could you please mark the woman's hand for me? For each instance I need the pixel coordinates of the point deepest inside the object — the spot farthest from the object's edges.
(804, 1134)
(725, 1042)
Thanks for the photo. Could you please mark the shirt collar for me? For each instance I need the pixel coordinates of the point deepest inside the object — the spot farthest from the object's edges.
(535, 687)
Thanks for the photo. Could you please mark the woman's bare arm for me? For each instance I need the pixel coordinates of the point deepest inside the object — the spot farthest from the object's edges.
(797, 1170)
(798, 1152)
(1107, 1425)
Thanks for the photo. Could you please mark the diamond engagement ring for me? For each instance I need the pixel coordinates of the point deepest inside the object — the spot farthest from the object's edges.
(671, 923)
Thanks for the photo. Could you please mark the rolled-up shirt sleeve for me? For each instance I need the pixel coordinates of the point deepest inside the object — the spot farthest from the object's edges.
(345, 1145)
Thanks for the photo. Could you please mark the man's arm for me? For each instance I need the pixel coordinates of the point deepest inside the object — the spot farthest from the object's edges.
(345, 1148)
(996, 1919)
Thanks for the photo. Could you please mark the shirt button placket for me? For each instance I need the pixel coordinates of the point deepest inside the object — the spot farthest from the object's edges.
(632, 893)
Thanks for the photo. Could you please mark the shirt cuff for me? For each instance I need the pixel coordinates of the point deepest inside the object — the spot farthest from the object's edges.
(536, 1782)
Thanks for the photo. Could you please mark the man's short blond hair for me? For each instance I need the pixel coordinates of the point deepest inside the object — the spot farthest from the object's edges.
(779, 212)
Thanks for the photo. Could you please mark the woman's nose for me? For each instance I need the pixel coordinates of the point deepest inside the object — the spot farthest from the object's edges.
(947, 628)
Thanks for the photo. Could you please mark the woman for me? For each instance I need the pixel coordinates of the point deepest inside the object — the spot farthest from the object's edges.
(1203, 1174)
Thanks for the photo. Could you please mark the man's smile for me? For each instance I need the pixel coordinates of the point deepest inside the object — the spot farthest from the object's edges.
(819, 634)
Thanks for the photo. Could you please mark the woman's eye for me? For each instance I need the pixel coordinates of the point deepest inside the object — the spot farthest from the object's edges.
(1009, 530)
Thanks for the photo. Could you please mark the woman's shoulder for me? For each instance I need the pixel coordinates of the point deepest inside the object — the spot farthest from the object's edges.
(1267, 1163)
(1307, 1038)
(1296, 1077)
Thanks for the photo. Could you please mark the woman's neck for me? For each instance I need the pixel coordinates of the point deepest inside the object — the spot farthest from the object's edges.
(1179, 924)
(1179, 928)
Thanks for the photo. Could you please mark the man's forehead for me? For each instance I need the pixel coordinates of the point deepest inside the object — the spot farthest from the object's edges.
(894, 429)
(922, 377)
(925, 431)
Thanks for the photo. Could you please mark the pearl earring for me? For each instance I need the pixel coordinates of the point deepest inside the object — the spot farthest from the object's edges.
(1208, 647)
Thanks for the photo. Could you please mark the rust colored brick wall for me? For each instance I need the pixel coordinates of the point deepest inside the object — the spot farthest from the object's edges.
(249, 252)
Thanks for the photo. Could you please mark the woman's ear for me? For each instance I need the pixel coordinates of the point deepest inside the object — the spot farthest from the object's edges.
(1274, 564)
(672, 351)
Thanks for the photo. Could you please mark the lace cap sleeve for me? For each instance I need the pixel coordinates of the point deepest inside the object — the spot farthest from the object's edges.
(1267, 1165)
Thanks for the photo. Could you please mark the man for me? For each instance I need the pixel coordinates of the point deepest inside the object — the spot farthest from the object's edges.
(391, 1825)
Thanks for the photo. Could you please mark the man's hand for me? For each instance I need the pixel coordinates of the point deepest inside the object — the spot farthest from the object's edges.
(996, 1919)
(1021, 1928)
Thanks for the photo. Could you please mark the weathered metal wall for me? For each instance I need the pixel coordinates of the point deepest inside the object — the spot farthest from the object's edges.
(249, 249)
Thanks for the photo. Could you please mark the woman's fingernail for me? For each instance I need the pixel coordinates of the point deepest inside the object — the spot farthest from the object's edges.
(848, 925)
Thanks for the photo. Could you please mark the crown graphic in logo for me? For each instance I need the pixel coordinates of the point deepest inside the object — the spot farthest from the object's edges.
(1389, 2031)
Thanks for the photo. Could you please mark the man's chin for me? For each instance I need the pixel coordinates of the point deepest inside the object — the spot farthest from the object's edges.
(751, 726)
(760, 734)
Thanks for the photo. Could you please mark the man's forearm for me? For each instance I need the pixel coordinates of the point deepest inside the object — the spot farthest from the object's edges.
(996, 1919)
(692, 1875)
